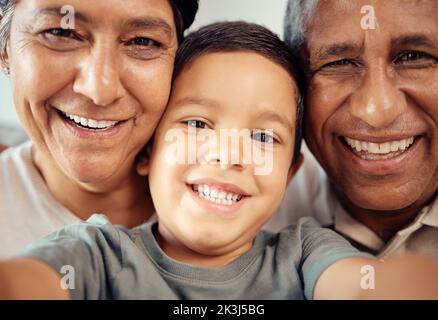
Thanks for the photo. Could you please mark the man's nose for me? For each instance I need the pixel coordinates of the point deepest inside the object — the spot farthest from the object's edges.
(99, 75)
(378, 101)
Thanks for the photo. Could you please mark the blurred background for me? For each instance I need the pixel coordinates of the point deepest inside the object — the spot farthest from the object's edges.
(268, 13)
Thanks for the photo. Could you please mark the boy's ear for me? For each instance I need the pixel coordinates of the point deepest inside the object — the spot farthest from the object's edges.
(294, 168)
(143, 160)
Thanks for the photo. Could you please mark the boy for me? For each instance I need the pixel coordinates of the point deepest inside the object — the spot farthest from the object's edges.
(212, 200)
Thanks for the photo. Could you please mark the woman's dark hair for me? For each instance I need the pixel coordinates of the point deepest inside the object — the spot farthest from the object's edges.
(243, 36)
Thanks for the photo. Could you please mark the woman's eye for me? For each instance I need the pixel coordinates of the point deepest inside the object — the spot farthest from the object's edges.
(198, 124)
(59, 32)
(263, 137)
(414, 57)
(143, 42)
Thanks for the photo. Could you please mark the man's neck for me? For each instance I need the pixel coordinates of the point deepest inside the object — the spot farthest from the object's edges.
(127, 202)
(384, 223)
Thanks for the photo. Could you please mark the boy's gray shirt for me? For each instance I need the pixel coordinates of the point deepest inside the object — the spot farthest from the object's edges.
(102, 261)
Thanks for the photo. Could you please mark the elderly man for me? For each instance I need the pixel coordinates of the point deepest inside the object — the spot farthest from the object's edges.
(372, 121)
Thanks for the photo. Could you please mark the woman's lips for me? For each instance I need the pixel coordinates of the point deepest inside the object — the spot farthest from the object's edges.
(383, 157)
(87, 128)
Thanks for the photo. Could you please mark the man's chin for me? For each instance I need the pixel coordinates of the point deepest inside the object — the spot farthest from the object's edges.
(382, 199)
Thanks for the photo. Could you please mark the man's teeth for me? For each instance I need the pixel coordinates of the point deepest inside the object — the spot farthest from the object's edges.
(380, 148)
(91, 123)
(216, 195)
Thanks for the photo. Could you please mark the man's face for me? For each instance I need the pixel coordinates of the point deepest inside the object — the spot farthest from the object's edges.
(215, 205)
(372, 114)
(91, 97)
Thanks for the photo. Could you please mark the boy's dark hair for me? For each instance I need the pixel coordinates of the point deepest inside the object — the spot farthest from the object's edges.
(244, 36)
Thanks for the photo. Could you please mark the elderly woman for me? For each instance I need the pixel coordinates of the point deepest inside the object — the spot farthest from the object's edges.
(89, 89)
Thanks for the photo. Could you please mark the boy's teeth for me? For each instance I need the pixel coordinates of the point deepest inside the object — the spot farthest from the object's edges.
(380, 148)
(216, 195)
(91, 123)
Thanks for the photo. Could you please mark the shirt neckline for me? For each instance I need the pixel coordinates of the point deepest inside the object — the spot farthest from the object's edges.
(197, 273)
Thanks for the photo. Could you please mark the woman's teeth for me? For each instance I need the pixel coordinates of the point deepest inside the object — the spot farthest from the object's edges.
(90, 123)
(216, 195)
(386, 148)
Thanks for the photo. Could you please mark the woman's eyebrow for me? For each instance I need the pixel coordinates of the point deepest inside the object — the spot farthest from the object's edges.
(149, 23)
(57, 11)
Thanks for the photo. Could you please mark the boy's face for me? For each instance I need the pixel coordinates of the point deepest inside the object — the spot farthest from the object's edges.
(216, 203)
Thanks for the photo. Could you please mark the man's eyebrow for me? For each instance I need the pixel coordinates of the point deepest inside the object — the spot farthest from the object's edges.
(57, 11)
(272, 116)
(198, 101)
(417, 40)
(335, 50)
(149, 23)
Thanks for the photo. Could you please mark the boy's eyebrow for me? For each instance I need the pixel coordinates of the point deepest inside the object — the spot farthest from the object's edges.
(272, 116)
(198, 101)
(267, 115)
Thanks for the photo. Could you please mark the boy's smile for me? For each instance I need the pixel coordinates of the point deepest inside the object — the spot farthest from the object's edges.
(215, 206)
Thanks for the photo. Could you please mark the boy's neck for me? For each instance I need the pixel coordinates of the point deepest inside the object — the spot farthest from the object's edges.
(127, 203)
(177, 251)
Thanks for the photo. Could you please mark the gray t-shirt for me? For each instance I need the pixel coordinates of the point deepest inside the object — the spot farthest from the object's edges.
(112, 262)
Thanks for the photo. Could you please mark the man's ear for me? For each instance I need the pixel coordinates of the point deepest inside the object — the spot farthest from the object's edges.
(143, 160)
(294, 167)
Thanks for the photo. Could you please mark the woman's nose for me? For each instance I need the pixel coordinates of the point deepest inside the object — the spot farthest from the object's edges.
(99, 75)
(378, 102)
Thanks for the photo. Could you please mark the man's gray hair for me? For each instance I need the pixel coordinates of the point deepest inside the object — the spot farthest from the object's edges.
(6, 13)
(296, 19)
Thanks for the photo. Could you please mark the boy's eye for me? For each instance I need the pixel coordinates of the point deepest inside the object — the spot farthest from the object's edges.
(264, 137)
(197, 124)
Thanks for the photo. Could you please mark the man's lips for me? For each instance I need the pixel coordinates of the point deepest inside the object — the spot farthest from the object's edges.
(380, 155)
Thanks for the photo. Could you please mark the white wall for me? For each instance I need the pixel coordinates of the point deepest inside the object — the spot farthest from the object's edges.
(266, 12)
(7, 110)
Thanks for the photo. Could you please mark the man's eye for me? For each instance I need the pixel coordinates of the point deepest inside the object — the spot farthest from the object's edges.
(340, 63)
(197, 124)
(263, 137)
(414, 56)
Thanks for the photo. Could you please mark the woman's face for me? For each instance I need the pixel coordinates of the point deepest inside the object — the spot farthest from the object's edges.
(90, 97)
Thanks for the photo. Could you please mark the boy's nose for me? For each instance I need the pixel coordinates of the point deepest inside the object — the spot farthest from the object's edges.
(229, 156)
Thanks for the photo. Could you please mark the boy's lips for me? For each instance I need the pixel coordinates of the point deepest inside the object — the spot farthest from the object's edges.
(216, 196)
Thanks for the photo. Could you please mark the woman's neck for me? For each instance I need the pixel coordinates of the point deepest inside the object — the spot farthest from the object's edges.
(125, 202)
